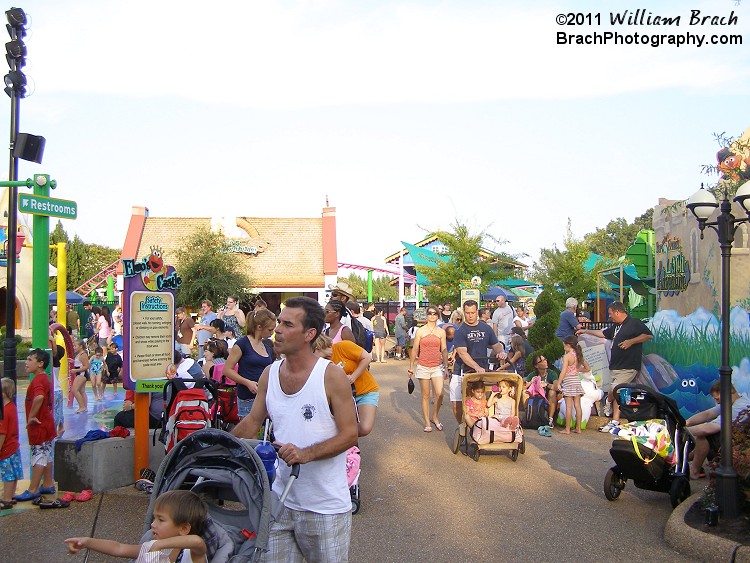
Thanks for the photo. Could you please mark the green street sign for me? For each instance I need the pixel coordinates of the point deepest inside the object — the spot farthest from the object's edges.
(40, 205)
(149, 385)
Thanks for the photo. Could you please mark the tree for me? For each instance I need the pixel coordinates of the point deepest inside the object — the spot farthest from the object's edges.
(613, 241)
(207, 271)
(465, 249)
(565, 269)
(542, 337)
(381, 288)
(58, 234)
(84, 260)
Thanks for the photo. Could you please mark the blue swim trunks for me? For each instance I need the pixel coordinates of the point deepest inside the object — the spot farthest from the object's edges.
(10, 468)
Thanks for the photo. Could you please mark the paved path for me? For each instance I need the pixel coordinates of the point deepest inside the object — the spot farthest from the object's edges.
(420, 502)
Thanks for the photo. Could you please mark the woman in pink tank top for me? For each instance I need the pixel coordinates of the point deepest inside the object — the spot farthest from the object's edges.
(334, 310)
(431, 356)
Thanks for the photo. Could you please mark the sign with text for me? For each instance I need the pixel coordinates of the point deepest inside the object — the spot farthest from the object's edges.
(148, 317)
(42, 205)
(150, 385)
(469, 294)
(596, 356)
(151, 337)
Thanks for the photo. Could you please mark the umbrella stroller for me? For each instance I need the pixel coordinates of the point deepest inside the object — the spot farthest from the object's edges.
(230, 476)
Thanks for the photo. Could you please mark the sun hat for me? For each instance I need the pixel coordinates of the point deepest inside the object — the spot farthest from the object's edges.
(342, 287)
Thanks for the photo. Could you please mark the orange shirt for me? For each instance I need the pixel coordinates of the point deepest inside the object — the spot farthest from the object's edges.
(346, 355)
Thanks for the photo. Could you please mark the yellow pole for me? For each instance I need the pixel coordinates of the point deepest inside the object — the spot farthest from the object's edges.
(62, 309)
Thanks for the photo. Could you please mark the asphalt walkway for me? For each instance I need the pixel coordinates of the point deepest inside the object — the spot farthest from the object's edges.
(420, 502)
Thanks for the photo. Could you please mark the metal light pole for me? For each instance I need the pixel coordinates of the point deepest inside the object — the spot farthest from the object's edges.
(15, 88)
(702, 204)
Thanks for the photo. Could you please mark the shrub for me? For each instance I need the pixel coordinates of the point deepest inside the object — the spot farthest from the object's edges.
(740, 460)
(542, 335)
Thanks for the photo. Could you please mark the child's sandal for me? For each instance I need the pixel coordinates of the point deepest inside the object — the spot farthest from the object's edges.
(6, 504)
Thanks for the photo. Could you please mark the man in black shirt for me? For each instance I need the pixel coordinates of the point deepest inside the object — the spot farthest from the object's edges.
(472, 339)
(627, 336)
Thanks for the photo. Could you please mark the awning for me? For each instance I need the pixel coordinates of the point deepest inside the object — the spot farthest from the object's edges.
(424, 258)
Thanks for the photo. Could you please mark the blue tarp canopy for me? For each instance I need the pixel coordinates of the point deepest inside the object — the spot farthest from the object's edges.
(494, 292)
(70, 297)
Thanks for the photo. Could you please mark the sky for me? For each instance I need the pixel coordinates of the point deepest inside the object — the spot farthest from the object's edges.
(408, 116)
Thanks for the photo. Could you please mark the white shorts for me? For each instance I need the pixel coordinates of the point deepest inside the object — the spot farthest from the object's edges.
(424, 372)
(41, 454)
(455, 387)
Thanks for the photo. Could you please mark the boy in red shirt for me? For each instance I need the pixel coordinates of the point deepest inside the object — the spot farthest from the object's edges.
(40, 426)
(10, 458)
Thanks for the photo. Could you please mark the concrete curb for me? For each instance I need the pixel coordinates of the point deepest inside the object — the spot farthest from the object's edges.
(700, 545)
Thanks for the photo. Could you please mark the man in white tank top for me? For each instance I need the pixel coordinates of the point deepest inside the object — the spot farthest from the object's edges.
(309, 400)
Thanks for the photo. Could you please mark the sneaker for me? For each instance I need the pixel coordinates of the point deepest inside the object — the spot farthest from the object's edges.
(612, 424)
(144, 484)
(607, 408)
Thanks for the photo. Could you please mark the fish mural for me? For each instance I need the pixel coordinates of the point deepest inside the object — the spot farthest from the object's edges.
(682, 360)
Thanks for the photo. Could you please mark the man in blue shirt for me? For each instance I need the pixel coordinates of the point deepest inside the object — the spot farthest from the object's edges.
(472, 339)
(203, 330)
(569, 324)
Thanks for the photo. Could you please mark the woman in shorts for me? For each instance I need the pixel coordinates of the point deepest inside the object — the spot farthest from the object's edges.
(431, 355)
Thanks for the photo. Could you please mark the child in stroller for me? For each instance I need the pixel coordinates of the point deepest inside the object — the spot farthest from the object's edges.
(179, 518)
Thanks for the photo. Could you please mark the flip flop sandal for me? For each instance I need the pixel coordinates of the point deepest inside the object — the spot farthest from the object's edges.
(83, 496)
(69, 497)
(38, 500)
(428, 428)
(57, 503)
(439, 426)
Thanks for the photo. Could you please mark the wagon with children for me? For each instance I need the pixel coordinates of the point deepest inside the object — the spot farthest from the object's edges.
(491, 422)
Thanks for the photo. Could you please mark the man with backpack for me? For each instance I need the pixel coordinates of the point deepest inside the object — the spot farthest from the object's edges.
(309, 401)
(361, 327)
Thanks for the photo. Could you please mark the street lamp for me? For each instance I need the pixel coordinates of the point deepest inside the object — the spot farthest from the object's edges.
(702, 204)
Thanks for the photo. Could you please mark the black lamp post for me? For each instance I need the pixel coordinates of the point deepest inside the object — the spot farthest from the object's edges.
(15, 87)
(702, 204)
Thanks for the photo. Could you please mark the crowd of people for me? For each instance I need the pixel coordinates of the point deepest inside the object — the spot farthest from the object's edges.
(305, 371)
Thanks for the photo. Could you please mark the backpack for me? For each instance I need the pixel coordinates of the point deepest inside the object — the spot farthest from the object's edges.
(362, 336)
(226, 409)
(188, 410)
(537, 412)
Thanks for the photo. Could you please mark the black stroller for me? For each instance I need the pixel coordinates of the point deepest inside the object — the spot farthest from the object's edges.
(633, 460)
(228, 473)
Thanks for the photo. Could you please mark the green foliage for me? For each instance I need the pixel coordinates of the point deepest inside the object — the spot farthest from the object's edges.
(464, 247)
(381, 288)
(206, 271)
(84, 260)
(548, 300)
(613, 241)
(542, 333)
(564, 268)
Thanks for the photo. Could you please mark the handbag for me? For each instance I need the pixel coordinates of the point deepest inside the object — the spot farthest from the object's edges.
(410, 386)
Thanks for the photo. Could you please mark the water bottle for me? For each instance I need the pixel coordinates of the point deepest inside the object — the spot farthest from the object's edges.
(267, 454)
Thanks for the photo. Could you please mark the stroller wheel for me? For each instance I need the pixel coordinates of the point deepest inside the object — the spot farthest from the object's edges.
(456, 440)
(514, 455)
(679, 491)
(613, 484)
(354, 492)
(475, 452)
(522, 446)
